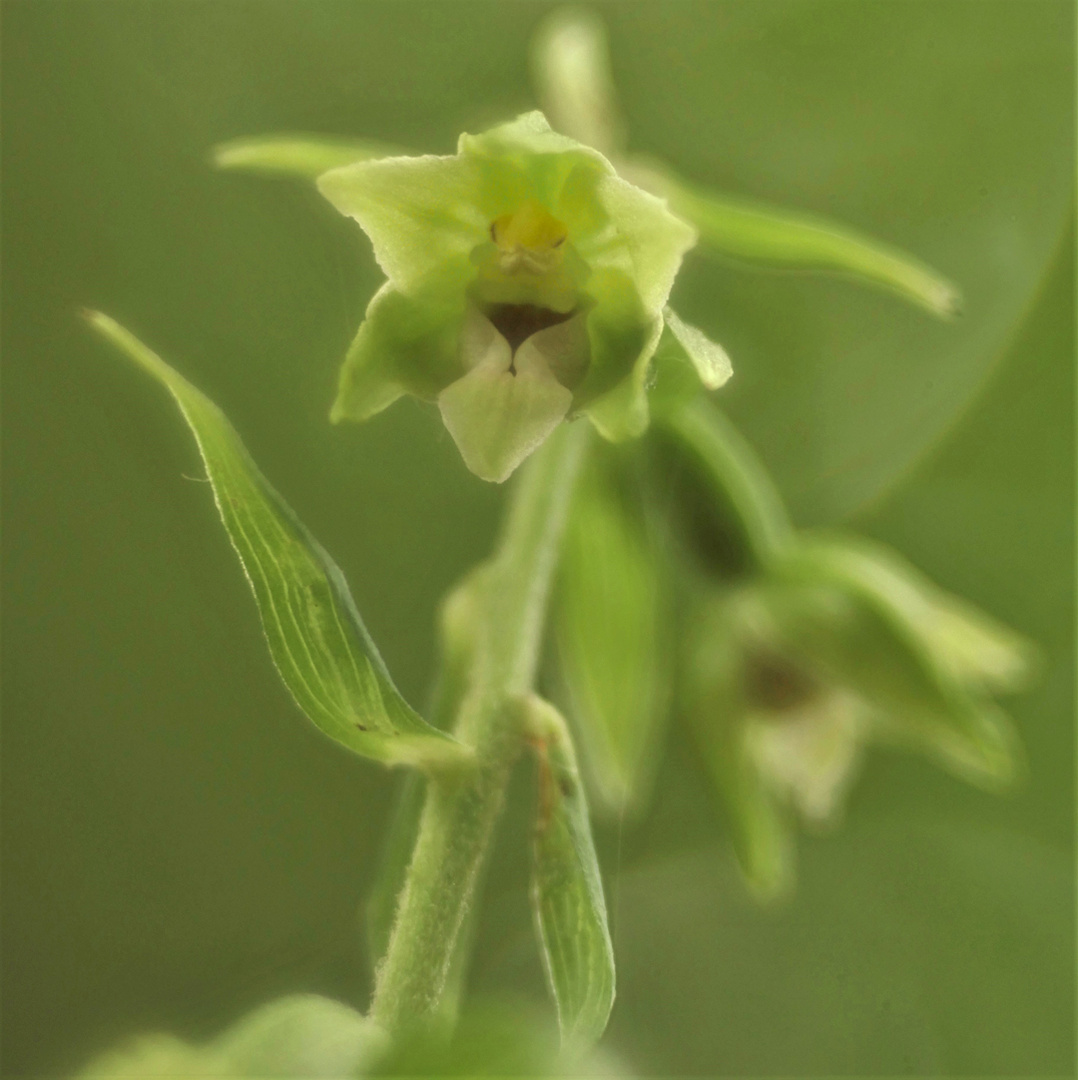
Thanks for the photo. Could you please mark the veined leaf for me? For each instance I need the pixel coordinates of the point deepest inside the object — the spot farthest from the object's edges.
(306, 156)
(610, 642)
(316, 636)
(748, 230)
(567, 892)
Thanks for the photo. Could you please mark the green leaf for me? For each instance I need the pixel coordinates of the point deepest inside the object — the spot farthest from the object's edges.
(749, 230)
(306, 156)
(609, 629)
(315, 634)
(567, 892)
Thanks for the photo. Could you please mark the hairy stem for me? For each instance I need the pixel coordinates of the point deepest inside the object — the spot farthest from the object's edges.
(507, 617)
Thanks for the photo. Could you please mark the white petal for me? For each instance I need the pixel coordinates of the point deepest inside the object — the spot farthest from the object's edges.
(481, 344)
(497, 418)
(561, 350)
(810, 755)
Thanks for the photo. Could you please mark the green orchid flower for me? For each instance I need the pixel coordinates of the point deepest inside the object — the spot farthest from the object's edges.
(808, 647)
(841, 645)
(526, 283)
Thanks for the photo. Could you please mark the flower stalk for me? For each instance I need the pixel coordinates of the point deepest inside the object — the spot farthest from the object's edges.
(505, 609)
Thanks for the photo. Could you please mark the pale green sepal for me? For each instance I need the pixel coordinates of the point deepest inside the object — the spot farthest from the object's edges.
(655, 240)
(717, 712)
(527, 139)
(707, 358)
(953, 657)
(747, 230)
(307, 156)
(855, 630)
(567, 891)
(571, 64)
(524, 159)
(621, 412)
(405, 344)
(761, 836)
(974, 648)
(422, 214)
(365, 385)
(315, 634)
(612, 651)
(506, 405)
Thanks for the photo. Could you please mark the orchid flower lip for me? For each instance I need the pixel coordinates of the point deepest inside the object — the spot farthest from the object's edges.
(517, 322)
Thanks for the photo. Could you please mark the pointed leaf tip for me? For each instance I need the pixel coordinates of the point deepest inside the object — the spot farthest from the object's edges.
(305, 156)
(743, 229)
(315, 634)
(567, 891)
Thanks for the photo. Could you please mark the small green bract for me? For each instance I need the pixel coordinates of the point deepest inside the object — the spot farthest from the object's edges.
(526, 283)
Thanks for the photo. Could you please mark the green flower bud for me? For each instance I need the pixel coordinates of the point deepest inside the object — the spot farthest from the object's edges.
(527, 283)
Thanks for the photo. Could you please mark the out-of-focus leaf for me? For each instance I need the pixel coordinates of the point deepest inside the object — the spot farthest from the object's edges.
(611, 646)
(571, 64)
(306, 156)
(747, 230)
(316, 636)
(567, 892)
(305, 1037)
(726, 484)
(150, 1057)
(301, 1036)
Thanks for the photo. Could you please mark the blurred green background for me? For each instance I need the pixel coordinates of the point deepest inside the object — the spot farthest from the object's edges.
(179, 844)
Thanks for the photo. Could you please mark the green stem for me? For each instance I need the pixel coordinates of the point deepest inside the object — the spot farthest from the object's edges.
(461, 809)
